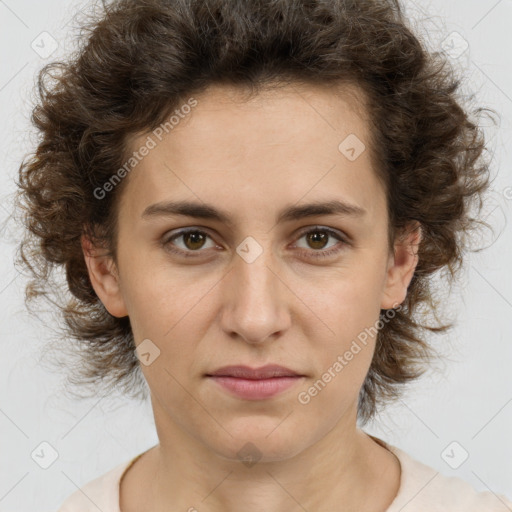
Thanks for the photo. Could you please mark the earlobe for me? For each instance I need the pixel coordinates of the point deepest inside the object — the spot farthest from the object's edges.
(401, 266)
(104, 278)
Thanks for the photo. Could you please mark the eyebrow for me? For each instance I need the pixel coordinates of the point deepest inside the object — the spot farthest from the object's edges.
(289, 213)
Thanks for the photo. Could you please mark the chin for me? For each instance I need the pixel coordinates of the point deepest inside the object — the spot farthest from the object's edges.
(259, 443)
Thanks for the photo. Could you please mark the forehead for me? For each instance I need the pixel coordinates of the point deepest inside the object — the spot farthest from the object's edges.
(281, 110)
(277, 145)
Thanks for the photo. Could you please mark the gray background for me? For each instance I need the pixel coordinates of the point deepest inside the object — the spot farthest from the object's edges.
(467, 400)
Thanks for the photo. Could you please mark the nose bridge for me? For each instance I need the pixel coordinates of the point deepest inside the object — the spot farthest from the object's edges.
(253, 308)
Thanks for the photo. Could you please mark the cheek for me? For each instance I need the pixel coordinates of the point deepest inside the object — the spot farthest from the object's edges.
(345, 326)
(346, 302)
(174, 311)
(155, 295)
(344, 355)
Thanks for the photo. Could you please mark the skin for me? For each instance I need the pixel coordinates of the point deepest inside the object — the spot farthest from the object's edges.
(251, 159)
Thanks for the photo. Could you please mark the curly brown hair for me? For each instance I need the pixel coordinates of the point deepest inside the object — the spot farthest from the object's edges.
(138, 59)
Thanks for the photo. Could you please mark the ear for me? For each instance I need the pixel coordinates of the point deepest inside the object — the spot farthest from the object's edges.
(104, 278)
(401, 266)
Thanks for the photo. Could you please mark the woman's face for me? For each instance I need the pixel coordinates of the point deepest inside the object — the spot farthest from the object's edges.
(271, 281)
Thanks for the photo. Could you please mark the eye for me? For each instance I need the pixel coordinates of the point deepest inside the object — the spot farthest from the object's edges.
(193, 240)
(317, 238)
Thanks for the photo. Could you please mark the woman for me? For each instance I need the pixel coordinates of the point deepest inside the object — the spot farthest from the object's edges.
(250, 199)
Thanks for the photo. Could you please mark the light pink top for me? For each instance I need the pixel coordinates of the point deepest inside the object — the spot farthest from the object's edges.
(422, 489)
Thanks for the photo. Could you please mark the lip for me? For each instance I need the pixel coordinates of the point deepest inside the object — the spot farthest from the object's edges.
(255, 383)
(246, 372)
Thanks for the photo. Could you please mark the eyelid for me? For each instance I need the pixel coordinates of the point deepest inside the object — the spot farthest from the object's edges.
(334, 233)
(324, 254)
(316, 227)
(181, 232)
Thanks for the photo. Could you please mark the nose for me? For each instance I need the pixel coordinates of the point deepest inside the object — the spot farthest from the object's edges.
(256, 299)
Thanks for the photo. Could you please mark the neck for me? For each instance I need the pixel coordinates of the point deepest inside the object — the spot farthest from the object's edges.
(340, 467)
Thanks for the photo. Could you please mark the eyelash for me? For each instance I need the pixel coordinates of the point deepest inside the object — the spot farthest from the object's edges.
(312, 253)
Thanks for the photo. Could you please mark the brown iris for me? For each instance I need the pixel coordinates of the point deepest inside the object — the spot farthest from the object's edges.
(317, 237)
(195, 238)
